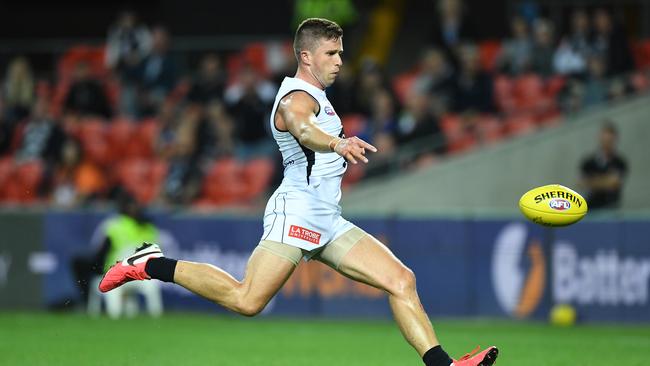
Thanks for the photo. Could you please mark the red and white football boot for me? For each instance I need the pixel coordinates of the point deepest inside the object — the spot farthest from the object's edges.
(131, 268)
(486, 357)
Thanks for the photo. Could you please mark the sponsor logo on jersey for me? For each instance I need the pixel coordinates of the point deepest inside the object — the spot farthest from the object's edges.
(304, 234)
(329, 111)
(559, 204)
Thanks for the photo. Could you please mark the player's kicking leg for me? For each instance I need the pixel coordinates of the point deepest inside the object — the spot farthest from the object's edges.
(266, 272)
(371, 262)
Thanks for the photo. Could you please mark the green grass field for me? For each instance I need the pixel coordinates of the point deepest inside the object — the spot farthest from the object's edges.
(202, 339)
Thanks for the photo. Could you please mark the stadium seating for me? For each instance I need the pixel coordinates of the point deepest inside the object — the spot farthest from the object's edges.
(402, 83)
(353, 124)
(126, 150)
(142, 177)
(641, 53)
(6, 169)
(120, 134)
(639, 81)
(520, 124)
(223, 184)
(256, 176)
(92, 133)
(23, 183)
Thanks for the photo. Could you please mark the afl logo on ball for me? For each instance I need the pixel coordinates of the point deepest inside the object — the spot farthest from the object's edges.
(329, 111)
(559, 204)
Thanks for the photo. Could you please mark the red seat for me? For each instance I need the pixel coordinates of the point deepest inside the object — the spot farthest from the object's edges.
(504, 93)
(141, 177)
(6, 171)
(255, 55)
(503, 86)
(403, 83)
(528, 89)
(490, 128)
(92, 134)
(24, 182)
(224, 183)
(451, 126)
(144, 139)
(520, 124)
(120, 134)
(353, 124)
(353, 175)
(457, 134)
(641, 53)
(257, 175)
(554, 85)
(639, 81)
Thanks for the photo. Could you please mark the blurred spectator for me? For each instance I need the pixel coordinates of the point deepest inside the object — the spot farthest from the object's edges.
(610, 42)
(472, 88)
(417, 123)
(570, 57)
(451, 27)
(86, 96)
(223, 129)
(6, 132)
(281, 61)
(382, 123)
(76, 180)
(128, 42)
(381, 130)
(342, 92)
(596, 85)
(184, 142)
(435, 78)
(514, 57)
(19, 90)
(210, 81)
(603, 172)
(571, 95)
(369, 80)
(543, 48)
(250, 102)
(152, 79)
(249, 81)
(618, 89)
(43, 137)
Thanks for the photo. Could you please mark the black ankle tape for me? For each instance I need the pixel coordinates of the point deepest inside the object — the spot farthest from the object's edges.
(161, 268)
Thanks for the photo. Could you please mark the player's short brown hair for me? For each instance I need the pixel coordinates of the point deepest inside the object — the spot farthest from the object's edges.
(311, 30)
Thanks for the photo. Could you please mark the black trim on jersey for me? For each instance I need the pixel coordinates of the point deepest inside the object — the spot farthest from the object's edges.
(284, 96)
(342, 135)
(275, 206)
(284, 212)
(310, 155)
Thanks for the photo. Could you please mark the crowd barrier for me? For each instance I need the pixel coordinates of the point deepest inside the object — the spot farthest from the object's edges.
(464, 267)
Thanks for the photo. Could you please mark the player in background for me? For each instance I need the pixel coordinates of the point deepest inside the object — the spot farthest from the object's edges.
(303, 218)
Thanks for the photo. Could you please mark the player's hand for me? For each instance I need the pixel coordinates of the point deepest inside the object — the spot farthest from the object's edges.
(353, 149)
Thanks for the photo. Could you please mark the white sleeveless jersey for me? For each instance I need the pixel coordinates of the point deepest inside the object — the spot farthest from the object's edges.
(302, 165)
(303, 211)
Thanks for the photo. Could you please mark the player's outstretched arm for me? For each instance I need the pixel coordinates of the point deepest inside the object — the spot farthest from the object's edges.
(297, 113)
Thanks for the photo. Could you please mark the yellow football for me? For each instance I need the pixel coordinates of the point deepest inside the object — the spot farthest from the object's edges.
(553, 205)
